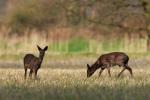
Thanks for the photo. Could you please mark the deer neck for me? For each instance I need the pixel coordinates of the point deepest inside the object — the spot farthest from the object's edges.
(96, 65)
(40, 59)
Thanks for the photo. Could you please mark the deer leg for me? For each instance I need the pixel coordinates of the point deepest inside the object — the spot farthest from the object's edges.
(129, 69)
(25, 74)
(109, 71)
(108, 68)
(102, 69)
(35, 74)
(30, 74)
(121, 72)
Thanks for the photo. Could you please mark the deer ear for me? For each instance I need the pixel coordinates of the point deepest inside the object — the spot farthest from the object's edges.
(45, 48)
(88, 66)
(39, 48)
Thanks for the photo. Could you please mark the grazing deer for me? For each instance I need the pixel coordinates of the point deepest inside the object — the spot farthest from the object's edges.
(33, 63)
(109, 60)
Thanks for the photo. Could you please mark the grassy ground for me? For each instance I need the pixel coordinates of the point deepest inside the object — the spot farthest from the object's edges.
(72, 84)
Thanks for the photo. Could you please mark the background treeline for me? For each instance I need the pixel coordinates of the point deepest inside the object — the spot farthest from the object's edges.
(88, 26)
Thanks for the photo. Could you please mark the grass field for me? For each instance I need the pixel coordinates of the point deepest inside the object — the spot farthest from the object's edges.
(72, 84)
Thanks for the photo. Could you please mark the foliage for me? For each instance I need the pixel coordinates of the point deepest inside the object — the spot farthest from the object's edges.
(78, 45)
(41, 14)
(38, 14)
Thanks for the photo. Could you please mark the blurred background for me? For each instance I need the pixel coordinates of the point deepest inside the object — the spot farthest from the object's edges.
(76, 31)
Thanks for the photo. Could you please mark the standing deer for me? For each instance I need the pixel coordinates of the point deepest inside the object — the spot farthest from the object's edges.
(33, 63)
(109, 60)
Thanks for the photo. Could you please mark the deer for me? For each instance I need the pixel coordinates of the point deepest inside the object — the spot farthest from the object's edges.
(106, 61)
(34, 63)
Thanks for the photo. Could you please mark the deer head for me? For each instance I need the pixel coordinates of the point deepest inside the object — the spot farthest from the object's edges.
(90, 70)
(42, 51)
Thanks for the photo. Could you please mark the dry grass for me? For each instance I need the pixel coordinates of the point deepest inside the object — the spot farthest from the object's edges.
(63, 84)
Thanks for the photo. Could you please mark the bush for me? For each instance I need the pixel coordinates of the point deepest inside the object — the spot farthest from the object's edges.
(38, 14)
(78, 45)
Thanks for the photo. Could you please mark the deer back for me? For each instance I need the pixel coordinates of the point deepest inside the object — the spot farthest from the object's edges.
(114, 58)
(31, 61)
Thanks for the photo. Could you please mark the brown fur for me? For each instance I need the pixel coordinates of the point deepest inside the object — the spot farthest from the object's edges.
(109, 60)
(33, 63)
